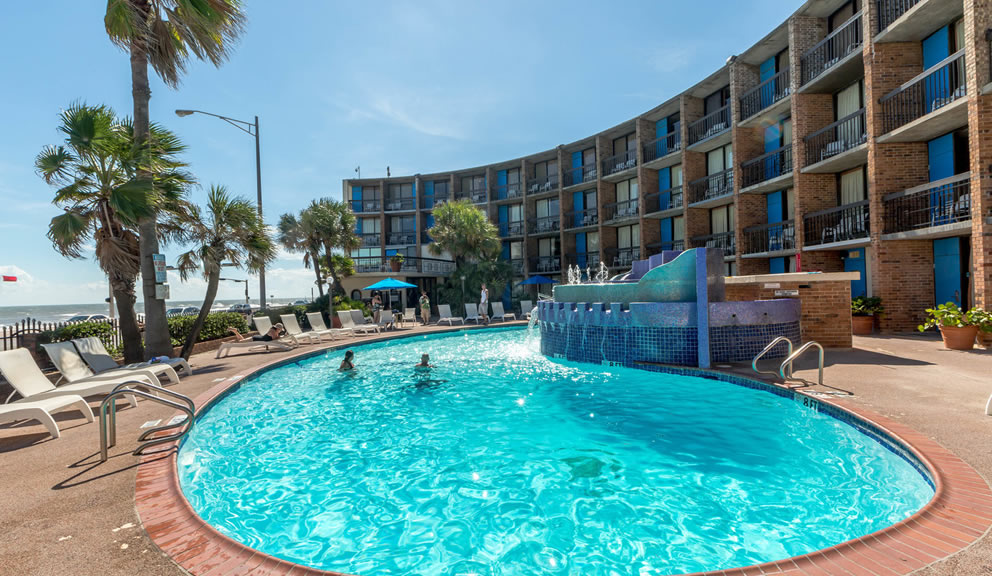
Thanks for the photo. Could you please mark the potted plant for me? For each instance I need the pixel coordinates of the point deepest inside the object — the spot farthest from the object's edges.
(863, 312)
(395, 261)
(983, 320)
(957, 328)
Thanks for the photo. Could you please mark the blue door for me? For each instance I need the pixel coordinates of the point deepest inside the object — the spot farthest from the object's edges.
(428, 194)
(666, 234)
(947, 284)
(661, 130)
(665, 185)
(576, 167)
(936, 48)
(580, 249)
(578, 203)
(501, 184)
(855, 261)
(356, 198)
(766, 71)
(774, 208)
(773, 141)
(940, 153)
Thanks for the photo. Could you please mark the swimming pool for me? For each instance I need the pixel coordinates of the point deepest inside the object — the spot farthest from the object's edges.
(501, 461)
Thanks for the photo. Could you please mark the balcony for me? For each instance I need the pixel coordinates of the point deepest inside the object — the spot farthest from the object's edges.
(581, 218)
(891, 10)
(401, 238)
(517, 265)
(769, 172)
(624, 257)
(670, 246)
(664, 202)
(769, 239)
(410, 265)
(765, 95)
(662, 147)
(723, 241)
(847, 225)
(933, 210)
(542, 185)
(913, 20)
(430, 202)
(368, 240)
(939, 94)
(619, 163)
(712, 190)
(365, 206)
(584, 260)
(511, 229)
(710, 126)
(621, 211)
(839, 54)
(508, 192)
(475, 195)
(546, 264)
(579, 175)
(545, 225)
(839, 146)
(401, 204)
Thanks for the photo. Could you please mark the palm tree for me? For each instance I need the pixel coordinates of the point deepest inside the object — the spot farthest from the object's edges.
(165, 34)
(464, 231)
(234, 234)
(103, 201)
(299, 234)
(335, 224)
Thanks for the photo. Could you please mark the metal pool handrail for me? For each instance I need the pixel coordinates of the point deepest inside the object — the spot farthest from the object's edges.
(788, 361)
(772, 344)
(108, 425)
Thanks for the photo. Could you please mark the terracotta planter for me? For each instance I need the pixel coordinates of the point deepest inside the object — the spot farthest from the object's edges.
(395, 266)
(956, 338)
(862, 325)
(985, 339)
(335, 322)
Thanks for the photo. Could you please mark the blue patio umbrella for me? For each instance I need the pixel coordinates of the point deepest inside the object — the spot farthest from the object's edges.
(390, 284)
(537, 280)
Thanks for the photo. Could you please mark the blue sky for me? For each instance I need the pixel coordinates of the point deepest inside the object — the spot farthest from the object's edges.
(421, 86)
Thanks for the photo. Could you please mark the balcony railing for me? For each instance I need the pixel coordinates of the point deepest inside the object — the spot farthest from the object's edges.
(509, 229)
(765, 94)
(401, 238)
(930, 91)
(770, 237)
(476, 196)
(579, 174)
(841, 224)
(581, 218)
(624, 257)
(545, 225)
(724, 241)
(843, 41)
(710, 125)
(620, 162)
(517, 265)
(546, 264)
(584, 260)
(428, 202)
(540, 185)
(767, 166)
(946, 201)
(841, 136)
(670, 199)
(411, 264)
(396, 204)
(663, 146)
(712, 186)
(370, 239)
(890, 10)
(659, 247)
(626, 210)
(508, 191)
(360, 206)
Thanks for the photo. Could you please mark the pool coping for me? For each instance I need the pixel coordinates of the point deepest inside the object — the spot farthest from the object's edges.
(959, 514)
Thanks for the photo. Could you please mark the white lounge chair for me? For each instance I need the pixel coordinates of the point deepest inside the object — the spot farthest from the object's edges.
(251, 345)
(525, 308)
(498, 312)
(410, 315)
(361, 322)
(95, 354)
(348, 323)
(41, 410)
(386, 320)
(73, 368)
(444, 315)
(263, 324)
(316, 320)
(19, 369)
(293, 329)
(472, 312)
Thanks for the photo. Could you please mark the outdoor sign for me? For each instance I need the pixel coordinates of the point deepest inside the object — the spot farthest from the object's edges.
(161, 275)
(786, 293)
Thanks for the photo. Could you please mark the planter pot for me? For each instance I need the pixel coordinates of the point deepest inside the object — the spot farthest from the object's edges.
(336, 322)
(395, 266)
(985, 339)
(862, 325)
(959, 338)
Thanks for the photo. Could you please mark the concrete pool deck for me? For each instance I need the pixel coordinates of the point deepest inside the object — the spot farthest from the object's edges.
(64, 513)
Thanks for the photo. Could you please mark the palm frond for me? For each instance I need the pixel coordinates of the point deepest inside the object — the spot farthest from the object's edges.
(69, 232)
(54, 164)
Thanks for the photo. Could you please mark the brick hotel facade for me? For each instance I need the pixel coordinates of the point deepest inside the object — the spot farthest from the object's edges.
(856, 136)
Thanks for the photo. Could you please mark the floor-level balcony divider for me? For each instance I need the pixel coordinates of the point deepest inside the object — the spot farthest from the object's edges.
(845, 40)
(774, 237)
(663, 146)
(581, 218)
(845, 223)
(712, 186)
(723, 241)
(620, 162)
(933, 89)
(579, 175)
(626, 210)
(710, 125)
(670, 199)
(843, 135)
(765, 94)
(938, 203)
(767, 166)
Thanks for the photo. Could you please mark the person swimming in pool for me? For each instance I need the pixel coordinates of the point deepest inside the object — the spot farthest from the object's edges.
(348, 362)
(425, 362)
(273, 333)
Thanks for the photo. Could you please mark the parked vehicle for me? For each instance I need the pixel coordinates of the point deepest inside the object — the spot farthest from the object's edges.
(240, 308)
(88, 318)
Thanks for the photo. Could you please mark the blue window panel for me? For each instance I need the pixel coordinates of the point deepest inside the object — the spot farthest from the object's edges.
(665, 183)
(503, 214)
(358, 225)
(766, 71)
(501, 184)
(577, 159)
(581, 249)
(855, 261)
(936, 48)
(776, 265)
(579, 202)
(773, 141)
(940, 152)
(947, 277)
(505, 254)
(661, 130)
(666, 233)
(392, 252)
(774, 211)
(356, 197)
(429, 188)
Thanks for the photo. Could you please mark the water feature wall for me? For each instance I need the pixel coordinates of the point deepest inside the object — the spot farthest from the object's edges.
(672, 313)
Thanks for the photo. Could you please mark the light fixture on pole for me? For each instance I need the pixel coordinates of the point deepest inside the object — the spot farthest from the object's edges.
(250, 128)
(247, 298)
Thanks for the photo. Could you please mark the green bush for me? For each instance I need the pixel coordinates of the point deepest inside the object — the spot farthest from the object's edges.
(214, 327)
(340, 303)
(102, 330)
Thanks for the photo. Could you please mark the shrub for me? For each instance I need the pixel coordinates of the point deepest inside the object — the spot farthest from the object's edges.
(214, 327)
(102, 330)
(951, 316)
(867, 306)
(340, 303)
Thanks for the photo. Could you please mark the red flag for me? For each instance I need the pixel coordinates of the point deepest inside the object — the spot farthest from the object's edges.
(10, 278)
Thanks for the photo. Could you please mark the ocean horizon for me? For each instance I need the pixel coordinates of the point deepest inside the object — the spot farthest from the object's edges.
(10, 315)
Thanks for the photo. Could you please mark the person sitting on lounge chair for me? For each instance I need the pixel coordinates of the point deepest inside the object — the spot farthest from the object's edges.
(348, 363)
(273, 334)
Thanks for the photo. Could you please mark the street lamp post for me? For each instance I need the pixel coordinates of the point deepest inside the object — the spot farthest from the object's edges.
(463, 295)
(250, 128)
(247, 299)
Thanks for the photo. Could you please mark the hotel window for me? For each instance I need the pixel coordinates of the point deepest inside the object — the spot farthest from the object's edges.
(842, 15)
(624, 144)
(782, 60)
(629, 236)
(515, 212)
(367, 253)
(722, 219)
(402, 225)
(676, 175)
(473, 183)
(546, 208)
(401, 190)
(547, 248)
(627, 190)
(371, 193)
(546, 170)
(678, 228)
(730, 268)
(589, 157)
(371, 225)
(849, 100)
(719, 160)
(852, 186)
(716, 100)
(441, 188)
(592, 242)
(516, 250)
(513, 176)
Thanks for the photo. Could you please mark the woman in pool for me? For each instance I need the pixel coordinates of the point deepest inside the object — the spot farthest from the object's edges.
(273, 334)
(348, 363)
(425, 362)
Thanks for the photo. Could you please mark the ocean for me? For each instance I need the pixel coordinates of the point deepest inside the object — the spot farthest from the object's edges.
(61, 312)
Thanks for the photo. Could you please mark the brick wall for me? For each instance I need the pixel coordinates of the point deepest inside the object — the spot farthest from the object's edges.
(978, 19)
(825, 308)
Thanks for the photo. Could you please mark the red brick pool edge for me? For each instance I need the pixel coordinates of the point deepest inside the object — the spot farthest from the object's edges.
(959, 514)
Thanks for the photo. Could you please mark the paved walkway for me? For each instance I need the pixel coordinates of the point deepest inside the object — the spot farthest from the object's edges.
(61, 512)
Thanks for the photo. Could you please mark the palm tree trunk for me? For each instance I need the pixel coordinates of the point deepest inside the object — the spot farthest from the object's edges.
(213, 279)
(157, 341)
(316, 270)
(128, 322)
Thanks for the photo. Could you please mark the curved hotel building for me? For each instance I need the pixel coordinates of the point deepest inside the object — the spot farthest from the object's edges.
(856, 136)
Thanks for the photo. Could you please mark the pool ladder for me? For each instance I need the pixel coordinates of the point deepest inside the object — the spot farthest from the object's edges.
(785, 368)
(108, 416)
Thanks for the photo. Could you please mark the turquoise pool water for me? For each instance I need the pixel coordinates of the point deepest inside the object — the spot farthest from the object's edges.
(500, 461)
